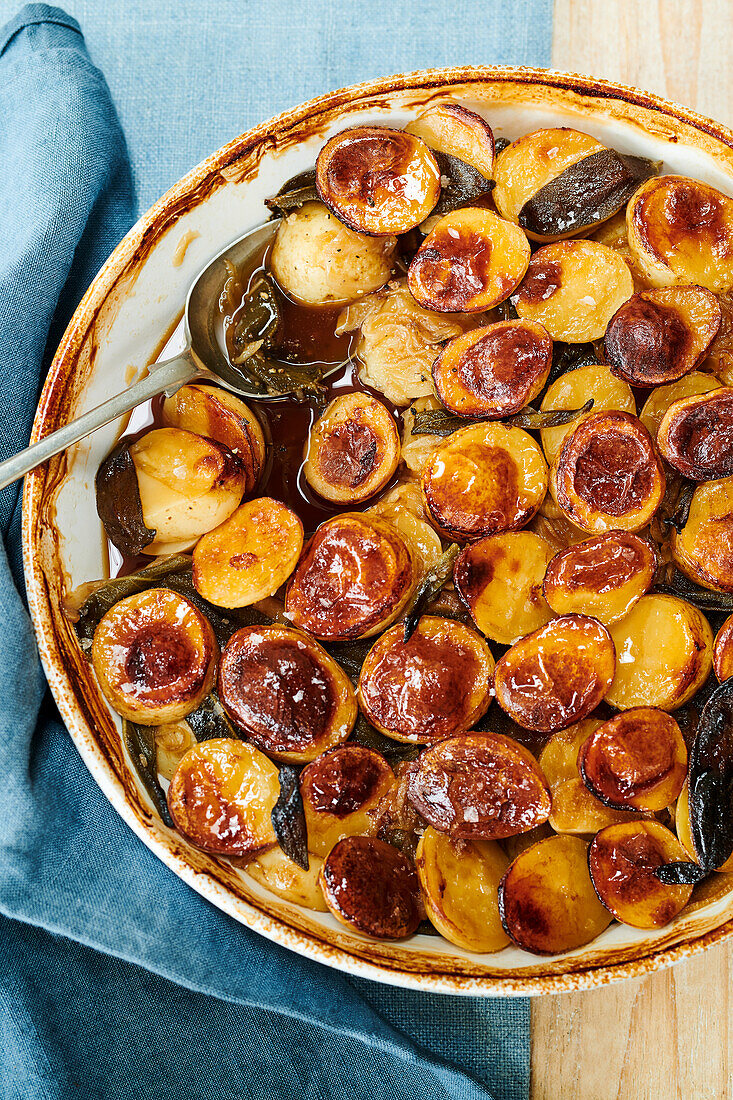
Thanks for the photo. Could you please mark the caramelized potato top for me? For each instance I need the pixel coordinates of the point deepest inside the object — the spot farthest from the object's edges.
(452, 129)
(703, 549)
(723, 650)
(436, 684)
(372, 887)
(602, 576)
(353, 449)
(479, 785)
(353, 579)
(345, 779)
(571, 390)
(696, 435)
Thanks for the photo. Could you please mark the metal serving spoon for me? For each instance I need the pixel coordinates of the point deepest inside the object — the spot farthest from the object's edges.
(202, 358)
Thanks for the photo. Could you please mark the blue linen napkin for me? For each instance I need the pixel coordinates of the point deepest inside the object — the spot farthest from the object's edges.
(116, 980)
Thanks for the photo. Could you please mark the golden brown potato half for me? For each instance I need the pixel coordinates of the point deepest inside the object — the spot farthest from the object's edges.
(353, 449)
(684, 832)
(723, 650)
(459, 881)
(287, 880)
(579, 813)
(637, 760)
(703, 549)
(557, 675)
(377, 180)
(681, 233)
(341, 791)
(219, 415)
(354, 577)
(479, 785)
(248, 556)
(433, 686)
(603, 576)
(483, 479)
(571, 391)
(188, 485)
(469, 262)
(660, 335)
(660, 399)
(494, 371)
(696, 435)
(499, 578)
(155, 657)
(454, 130)
(607, 475)
(622, 859)
(222, 797)
(546, 898)
(664, 648)
(573, 289)
(372, 887)
(285, 693)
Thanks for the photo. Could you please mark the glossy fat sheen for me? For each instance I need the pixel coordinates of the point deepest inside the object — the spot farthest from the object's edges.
(696, 435)
(188, 485)
(663, 654)
(459, 882)
(470, 261)
(248, 556)
(603, 576)
(454, 130)
(573, 289)
(607, 475)
(637, 760)
(680, 232)
(703, 549)
(377, 180)
(354, 577)
(318, 260)
(219, 415)
(483, 479)
(499, 578)
(353, 449)
(341, 790)
(684, 832)
(435, 685)
(287, 880)
(622, 859)
(285, 693)
(372, 887)
(479, 785)
(493, 371)
(723, 650)
(546, 898)
(571, 391)
(557, 675)
(222, 796)
(660, 399)
(660, 335)
(155, 656)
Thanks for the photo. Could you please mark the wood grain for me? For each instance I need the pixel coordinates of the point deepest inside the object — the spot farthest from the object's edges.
(666, 1036)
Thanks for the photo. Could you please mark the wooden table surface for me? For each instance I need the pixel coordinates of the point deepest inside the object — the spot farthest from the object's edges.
(665, 1037)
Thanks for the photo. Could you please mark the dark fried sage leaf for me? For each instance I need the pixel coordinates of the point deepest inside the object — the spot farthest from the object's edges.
(500, 144)
(110, 592)
(700, 597)
(710, 780)
(255, 323)
(288, 817)
(548, 418)
(681, 514)
(350, 655)
(294, 193)
(461, 183)
(393, 752)
(118, 502)
(682, 873)
(441, 422)
(140, 743)
(209, 720)
(568, 357)
(429, 588)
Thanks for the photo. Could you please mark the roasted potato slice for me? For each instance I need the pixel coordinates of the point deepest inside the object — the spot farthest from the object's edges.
(285, 693)
(723, 651)
(435, 685)
(248, 556)
(557, 675)
(318, 260)
(155, 657)
(372, 887)
(494, 371)
(287, 880)
(479, 785)
(546, 898)
(684, 832)
(664, 647)
(573, 289)
(499, 578)
(454, 130)
(377, 180)
(341, 790)
(622, 860)
(660, 335)
(404, 507)
(559, 757)
(222, 796)
(696, 435)
(579, 813)
(681, 233)
(703, 549)
(469, 262)
(352, 450)
(572, 389)
(483, 479)
(637, 760)
(603, 576)
(607, 475)
(459, 881)
(354, 577)
(660, 399)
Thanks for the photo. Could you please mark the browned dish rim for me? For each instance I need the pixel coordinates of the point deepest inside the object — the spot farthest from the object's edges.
(79, 700)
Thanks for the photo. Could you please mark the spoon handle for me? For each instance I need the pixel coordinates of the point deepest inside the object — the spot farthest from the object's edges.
(168, 375)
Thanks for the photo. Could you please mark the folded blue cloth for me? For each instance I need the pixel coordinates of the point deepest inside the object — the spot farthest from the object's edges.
(116, 980)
